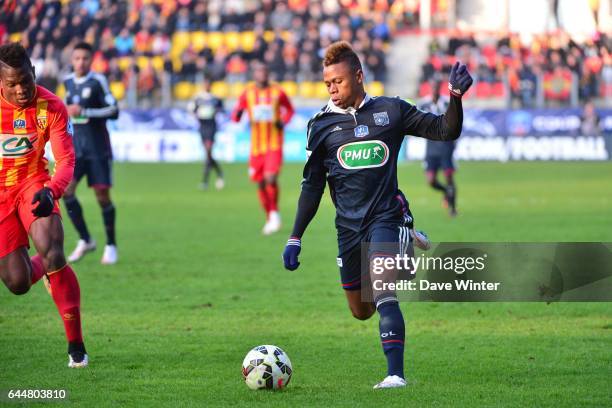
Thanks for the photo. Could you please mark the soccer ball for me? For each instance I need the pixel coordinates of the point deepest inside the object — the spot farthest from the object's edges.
(266, 367)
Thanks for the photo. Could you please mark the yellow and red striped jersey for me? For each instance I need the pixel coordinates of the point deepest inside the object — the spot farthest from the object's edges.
(24, 132)
(267, 108)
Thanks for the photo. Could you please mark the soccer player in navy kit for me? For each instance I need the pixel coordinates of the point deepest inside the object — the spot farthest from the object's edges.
(353, 144)
(439, 155)
(205, 106)
(90, 103)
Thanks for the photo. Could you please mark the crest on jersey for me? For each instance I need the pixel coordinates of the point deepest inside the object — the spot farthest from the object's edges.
(19, 124)
(70, 128)
(86, 92)
(41, 121)
(381, 118)
(362, 131)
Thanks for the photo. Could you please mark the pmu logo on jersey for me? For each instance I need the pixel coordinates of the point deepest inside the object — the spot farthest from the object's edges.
(362, 131)
(16, 145)
(363, 155)
(381, 118)
(19, 124)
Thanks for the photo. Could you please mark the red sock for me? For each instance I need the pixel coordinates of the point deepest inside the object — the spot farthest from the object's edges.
(272, 193)
(67, 297)
(263, 199)
(38, 270)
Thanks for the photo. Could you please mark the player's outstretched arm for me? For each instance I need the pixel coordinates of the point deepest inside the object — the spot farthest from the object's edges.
(313, 186)
(308, 204)
(446, 127)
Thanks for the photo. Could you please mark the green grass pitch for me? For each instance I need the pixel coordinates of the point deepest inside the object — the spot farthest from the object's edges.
(197, 286)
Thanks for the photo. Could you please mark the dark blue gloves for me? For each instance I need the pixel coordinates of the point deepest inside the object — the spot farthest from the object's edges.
(44, 198)
(290, 255)
(459, 80)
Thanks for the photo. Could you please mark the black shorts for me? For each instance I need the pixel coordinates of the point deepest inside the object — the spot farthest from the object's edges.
(207, 133)
(97, 170)
(351, 261)
(435, 163)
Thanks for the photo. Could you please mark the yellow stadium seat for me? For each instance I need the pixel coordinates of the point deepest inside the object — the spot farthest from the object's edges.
(180, 41)
(375, 88)
(290, 88)
(124, 63)
(158, 63)
(184, 90)
(15, 37)
(268, 36)
(117, 89)
(232, 40)
(220, 89)
(177, 64)
(60, 91)
(247, 40)
(198, 40)
(142, 62)
(321, 91)
(307, 90)
(236, 89)
(215, 40)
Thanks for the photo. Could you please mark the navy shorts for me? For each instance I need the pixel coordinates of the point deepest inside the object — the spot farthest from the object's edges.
(97, 170)
(435, 163)
(351, 261)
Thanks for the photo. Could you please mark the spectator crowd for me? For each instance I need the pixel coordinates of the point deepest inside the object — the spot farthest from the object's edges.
(553, 64)
(144, 42)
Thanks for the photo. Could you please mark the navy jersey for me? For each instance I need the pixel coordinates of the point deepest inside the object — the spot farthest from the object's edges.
(91, 92)
(205, 106)
(356, 152)
(436, 148)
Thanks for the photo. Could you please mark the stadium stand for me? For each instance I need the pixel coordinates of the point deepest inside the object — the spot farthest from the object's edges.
(553, 64)
(174, 43)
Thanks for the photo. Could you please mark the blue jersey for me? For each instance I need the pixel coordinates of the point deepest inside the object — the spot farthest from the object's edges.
(91, 92)
(356, 152)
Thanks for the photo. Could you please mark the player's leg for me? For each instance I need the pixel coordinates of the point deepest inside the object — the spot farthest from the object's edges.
(349, 262)
(272, 166)
(256, 174)
(432, 165)
(386, 242)
(211, 164)
(100, 180)
(48, 237)
(75, 212)
(103, 197)
(16, 271)
(451, 189)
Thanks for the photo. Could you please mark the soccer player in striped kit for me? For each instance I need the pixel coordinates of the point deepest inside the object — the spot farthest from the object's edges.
(269, 110)
(31, 116)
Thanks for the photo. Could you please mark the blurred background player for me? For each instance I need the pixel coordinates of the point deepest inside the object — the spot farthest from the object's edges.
(90, 103)
(354, 144)
(269, 110)
(439, 154)
(206, 106)
(31, 116)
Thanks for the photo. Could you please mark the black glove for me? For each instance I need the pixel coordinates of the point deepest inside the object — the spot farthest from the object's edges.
(279, 124)
(290, 255)
(44, 198)
(459, 80)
